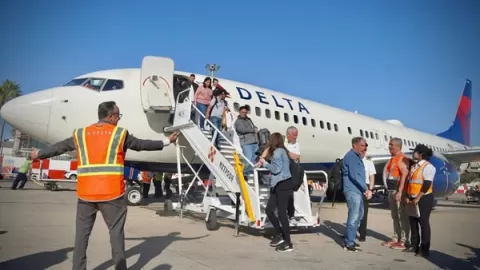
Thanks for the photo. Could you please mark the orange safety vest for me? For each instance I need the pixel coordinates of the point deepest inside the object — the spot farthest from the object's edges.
(393, 171)
(415, 181)
(146, 177)
(100, 155)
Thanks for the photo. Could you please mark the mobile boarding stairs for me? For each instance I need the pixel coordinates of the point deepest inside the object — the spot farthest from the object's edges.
(245, 199)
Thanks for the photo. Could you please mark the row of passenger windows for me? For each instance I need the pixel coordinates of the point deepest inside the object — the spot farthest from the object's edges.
(329, 126)
(97, 84)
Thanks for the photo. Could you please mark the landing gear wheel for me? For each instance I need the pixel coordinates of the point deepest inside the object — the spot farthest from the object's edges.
(212, 224)
(168, 206)
(134, 196)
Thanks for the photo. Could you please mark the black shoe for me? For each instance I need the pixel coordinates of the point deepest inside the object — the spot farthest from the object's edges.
(423, 253)
(350, 248)
(357, 245)
(410, 250)
(276, 241)
(361, 239)
(284, 248)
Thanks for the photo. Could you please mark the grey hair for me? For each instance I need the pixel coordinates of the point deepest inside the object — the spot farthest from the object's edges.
(356, 140)
(398, 141)
(291, 128)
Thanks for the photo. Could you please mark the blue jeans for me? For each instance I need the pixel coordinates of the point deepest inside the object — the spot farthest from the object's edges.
(355, 215)
(217, 122)
(202, 108)
(249, 151)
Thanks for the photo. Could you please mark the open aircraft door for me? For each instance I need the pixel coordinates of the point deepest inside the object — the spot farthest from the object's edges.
(156, 84)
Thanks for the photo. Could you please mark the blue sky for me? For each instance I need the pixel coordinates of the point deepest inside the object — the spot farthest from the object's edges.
(405, 60)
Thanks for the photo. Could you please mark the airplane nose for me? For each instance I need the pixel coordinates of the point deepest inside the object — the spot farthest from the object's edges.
(30, 113)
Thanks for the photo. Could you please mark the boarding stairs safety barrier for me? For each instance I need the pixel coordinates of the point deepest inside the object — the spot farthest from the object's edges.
(245, 200)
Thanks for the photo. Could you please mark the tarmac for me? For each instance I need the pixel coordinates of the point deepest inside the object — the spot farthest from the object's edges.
(37, 231)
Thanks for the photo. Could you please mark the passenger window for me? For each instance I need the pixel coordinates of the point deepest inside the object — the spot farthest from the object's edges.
(113, 85)
(277, 115)
(366, 134)
(314, 123)
(295, 119)
(285, 116)
(267, 113)
(361, 132)
(321, 125)
(304, 120)
(371, 135)
(94, 83)
(328, 126)
(236, 106)
(335, 127)
(376, 136)
(258, 111)
(386, 138)
(349, 130)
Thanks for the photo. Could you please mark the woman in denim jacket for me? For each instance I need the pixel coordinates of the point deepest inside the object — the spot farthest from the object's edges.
(281, 189)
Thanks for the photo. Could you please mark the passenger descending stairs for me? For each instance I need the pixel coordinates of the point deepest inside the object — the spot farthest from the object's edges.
(227, 150)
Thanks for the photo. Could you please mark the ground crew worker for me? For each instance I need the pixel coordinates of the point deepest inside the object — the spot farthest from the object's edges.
(394, 175)
(101, 151)
(420, 193)
(146, 181)
(22, 174)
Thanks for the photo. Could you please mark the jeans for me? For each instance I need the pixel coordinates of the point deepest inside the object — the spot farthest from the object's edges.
(217, 122)
(355, 214)
(249, 151)
(363, 224)
(202, 108)
(279, 196)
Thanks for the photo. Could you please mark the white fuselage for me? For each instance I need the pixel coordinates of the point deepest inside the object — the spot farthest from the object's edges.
(76, 106)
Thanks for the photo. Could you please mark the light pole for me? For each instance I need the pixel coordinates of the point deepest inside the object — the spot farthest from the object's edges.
(212, 68)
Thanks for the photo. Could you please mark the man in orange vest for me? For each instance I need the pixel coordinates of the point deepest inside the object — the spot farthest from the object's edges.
(420, 194)
(101, 151)
(146, 180)
(394, 175)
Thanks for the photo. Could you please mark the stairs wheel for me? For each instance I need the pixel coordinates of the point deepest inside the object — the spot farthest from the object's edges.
(53, 187)
(212, 224)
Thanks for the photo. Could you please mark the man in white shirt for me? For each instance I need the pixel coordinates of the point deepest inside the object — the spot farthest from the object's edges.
(293, 148)
(370, 179)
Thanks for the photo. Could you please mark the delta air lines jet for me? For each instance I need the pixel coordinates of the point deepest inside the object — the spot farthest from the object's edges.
(146, 98)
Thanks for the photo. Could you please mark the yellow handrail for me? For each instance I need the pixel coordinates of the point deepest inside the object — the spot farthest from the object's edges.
(239, 167)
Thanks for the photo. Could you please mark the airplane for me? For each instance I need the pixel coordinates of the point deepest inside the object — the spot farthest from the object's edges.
(146, 98)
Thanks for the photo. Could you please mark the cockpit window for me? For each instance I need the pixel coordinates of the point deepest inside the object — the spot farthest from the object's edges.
(94, 83)
(76, 82)
(113, 85)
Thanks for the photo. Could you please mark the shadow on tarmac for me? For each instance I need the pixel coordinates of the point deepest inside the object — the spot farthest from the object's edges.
(149, 248)
(446, 261)
(41, 260)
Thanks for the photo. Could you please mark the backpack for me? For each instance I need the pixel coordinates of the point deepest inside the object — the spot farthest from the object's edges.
(297, 173)
(336, 175)
(216, 101)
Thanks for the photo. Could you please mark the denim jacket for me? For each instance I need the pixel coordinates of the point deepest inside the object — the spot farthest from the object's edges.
(279, 166)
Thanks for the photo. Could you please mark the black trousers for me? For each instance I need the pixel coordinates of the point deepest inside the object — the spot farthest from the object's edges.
(146, 189)
(425, 205)
(362, 230)
(114, 213)
(20, 178)
(279, 198)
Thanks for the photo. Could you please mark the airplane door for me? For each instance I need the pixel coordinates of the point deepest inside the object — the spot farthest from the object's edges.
(156, 84)
(378, 139)
(385, 140)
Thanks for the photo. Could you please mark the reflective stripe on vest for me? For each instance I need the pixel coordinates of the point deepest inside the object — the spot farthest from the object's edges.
(100, 172)
(415, 181)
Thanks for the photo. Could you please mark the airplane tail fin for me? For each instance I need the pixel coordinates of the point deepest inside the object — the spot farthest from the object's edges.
(460, 130)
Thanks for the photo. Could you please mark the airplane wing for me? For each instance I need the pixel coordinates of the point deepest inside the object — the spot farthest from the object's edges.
(463, 156)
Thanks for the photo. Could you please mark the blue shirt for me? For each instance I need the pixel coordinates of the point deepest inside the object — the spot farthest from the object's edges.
(279, 166)
(353, 173)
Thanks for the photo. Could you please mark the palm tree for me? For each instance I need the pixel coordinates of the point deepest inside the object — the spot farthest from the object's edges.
(8, 91)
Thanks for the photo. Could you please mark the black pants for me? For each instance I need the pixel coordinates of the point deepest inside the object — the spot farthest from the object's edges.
(20, 178)
(291, 207)
(279, 197)
(362, 230)
(425, 205)
(114, 213)
(146, 189)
